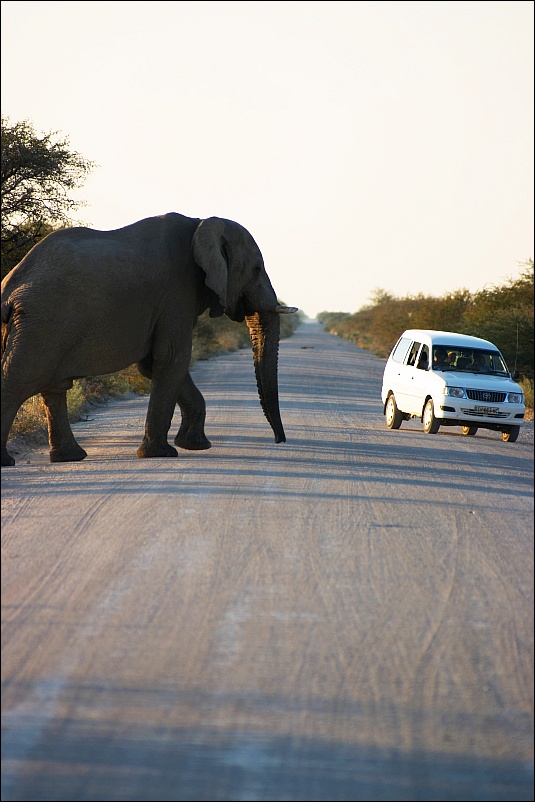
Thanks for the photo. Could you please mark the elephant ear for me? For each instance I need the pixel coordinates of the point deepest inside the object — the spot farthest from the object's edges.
(209, 254)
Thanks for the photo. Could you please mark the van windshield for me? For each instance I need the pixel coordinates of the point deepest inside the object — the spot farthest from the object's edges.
(468, 360)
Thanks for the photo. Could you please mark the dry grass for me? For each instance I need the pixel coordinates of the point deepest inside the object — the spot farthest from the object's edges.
(30, 421)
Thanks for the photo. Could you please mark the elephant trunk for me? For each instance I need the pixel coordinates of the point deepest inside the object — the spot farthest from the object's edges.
(264, 329)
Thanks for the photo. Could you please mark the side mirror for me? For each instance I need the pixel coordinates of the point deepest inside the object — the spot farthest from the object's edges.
(515, 375)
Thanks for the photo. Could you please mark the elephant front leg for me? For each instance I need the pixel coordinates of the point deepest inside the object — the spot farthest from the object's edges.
(192, 405)
(63, 446)
(159, 416)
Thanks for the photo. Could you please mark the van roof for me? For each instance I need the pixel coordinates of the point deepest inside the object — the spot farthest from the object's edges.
(448, 338)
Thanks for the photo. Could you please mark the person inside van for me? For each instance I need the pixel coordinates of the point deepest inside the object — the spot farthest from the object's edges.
(450, 359)
(478, 363)
(440, 357)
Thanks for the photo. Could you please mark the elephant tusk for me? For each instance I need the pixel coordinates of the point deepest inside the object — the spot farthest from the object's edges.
(285, 310)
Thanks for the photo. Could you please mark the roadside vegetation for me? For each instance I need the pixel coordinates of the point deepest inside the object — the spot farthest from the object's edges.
(502, 314)
(38, 172)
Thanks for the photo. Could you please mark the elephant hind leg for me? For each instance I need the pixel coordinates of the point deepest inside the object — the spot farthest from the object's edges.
(63, 446)
(10, 406)
(12, 400)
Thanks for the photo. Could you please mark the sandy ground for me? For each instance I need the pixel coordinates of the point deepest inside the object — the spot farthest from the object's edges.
(345, 616)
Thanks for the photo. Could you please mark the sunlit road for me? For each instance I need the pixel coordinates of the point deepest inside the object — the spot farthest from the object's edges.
(347, 616)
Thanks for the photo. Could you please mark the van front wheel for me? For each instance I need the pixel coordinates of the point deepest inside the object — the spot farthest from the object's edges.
(392, 413)
(431, 424)
(511, 434)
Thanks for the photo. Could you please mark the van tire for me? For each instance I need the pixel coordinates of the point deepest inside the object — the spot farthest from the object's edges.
(431, 424)
(511, 434)
(469, 431)
(393, 416)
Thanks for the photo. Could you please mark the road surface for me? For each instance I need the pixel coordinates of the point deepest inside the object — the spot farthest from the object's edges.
(346, 616)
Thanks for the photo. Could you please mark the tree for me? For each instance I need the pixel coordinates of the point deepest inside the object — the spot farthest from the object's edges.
(37, 173)
(504, 315)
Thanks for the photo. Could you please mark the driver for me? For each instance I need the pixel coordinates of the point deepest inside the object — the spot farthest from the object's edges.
(478, 363)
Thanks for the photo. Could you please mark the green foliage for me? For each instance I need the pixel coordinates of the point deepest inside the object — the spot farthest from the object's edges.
(527, 387)
(36, 176)
(503, 315)
(16, 247)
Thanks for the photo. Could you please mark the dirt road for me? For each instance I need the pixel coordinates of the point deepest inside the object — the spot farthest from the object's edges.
(345, 616)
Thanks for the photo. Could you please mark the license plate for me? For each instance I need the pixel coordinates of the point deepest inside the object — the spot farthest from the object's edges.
(487, 410)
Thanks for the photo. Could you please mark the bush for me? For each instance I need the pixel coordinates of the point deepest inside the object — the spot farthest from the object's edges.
(503, 315)
(527, 387)
(211, 336)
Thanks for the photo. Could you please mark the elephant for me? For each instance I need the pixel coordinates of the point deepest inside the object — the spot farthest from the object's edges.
(85, 302)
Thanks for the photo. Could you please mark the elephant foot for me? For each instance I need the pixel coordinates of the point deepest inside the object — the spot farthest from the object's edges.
(148, 450)
(7, 459)
(73, 454)
(192, 441)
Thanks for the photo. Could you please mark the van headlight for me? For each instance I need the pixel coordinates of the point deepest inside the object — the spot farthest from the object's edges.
(455, 392)
(515, 398)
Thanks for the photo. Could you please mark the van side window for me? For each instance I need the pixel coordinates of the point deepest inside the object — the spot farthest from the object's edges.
(398, 354)
(413, 353)
(423, 359)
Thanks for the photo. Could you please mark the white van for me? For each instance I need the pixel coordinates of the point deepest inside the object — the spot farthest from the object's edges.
(449, 379)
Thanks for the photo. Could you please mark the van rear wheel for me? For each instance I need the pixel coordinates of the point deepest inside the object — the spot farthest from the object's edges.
(469, 431)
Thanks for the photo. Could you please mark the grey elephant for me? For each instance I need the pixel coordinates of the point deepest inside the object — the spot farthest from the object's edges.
(84, 302)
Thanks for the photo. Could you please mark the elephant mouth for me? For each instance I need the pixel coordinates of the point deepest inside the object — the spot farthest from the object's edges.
(238, 312)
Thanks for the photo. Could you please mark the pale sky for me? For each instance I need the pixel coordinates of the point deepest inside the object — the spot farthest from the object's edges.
(364, 145)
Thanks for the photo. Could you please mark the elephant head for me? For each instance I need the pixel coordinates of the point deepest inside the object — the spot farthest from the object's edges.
(235, 271)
